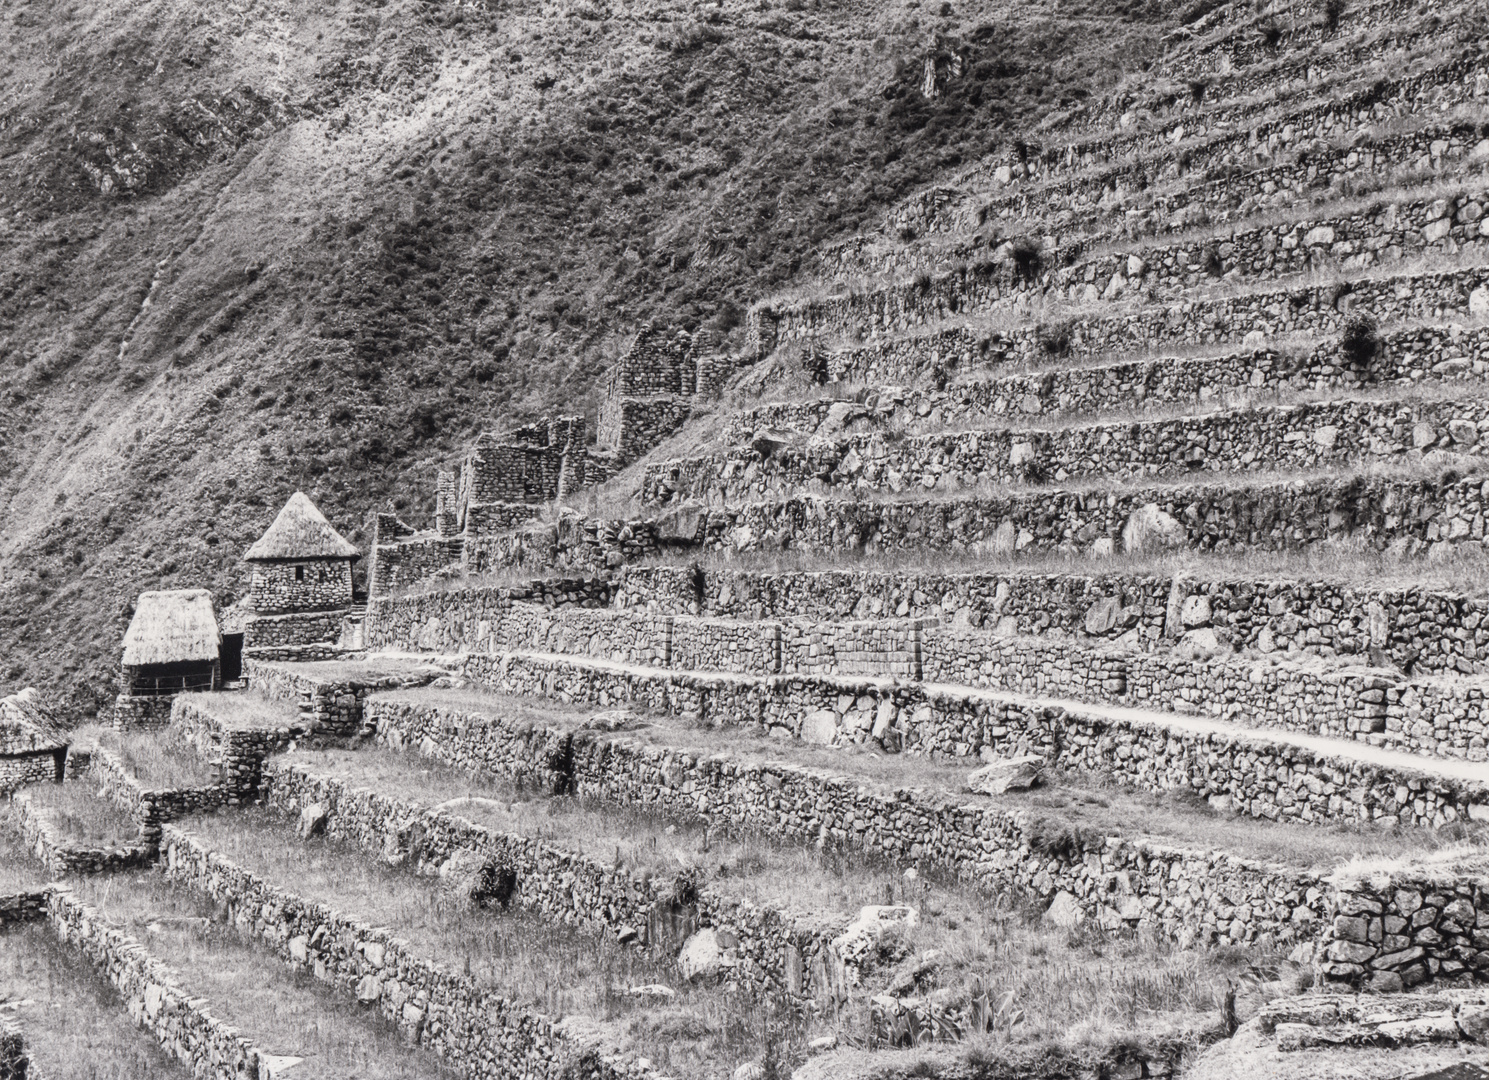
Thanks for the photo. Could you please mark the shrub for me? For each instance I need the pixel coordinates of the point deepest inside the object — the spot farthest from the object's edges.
(1271, 34)
(1360, 342)
(1053, 338)
(1028, 259)
(1333, 11)
(1211, 262)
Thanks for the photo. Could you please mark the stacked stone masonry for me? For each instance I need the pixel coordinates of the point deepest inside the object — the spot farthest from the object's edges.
(1258, 775)
(1189, 895)
(1427, 355)
(478, 1030)
(1275, 437)
(772, 947)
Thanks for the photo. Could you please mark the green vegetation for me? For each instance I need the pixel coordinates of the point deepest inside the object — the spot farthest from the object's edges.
(151, 757)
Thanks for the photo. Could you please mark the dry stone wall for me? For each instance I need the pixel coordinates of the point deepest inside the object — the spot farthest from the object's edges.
(156, 1001)
(1313, 435)
(292, 631)
(1433, 354)
(236, 754)
(279, 588)
(482, 1032)
(42, 834)
(140, 713)
(1192, 896)
(1255, 774)
(1397, 930)
(771, 947)
(150, 808)
(1433, 717)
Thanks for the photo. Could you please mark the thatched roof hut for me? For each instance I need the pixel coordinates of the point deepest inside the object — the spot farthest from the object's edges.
(172, 643)
(27, 726)
(172, 627)
(300, 532)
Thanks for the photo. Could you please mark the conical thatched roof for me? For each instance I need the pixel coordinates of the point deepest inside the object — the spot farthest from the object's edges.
(301, 532)
(171, 628)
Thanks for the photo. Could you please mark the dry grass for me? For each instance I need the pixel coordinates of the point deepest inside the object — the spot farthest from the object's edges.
(374, 668)
(80, 817)
(1071, 988)
(155, 761)
(76, 1024)
(703, 1031)
(278, 1009)
(1070, 803)
(246, 709)
(19, 872)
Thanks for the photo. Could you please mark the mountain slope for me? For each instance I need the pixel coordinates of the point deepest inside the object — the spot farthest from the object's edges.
(255, 247)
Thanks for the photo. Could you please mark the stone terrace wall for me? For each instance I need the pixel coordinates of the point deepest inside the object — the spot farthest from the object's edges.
(1398, 930)
(772, 948)
(304, 628)
(18, 770)
(1376, 512)
(1318, 310)
(1421, 354)
(1193, 896)
(236, 754)
(150, 808)
(480, 1031)
(1430, 717)
(1418, 629)
(140, 713)
(442, 620)
(61, 857)
(1271, 437)
(1256, 775)
(157, 1002)
(23, 907)
(399, 563)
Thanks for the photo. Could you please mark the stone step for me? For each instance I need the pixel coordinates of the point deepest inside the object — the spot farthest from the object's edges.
(1416, 355)
(1272, 774)
(906, 336)
(1313, 435)
(1193, 670)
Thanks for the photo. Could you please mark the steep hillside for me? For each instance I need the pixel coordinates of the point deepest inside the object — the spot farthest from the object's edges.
(251, 247)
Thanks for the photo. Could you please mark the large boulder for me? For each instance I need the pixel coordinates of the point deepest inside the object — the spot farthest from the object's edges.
(706, 956)
(1150, 531)
(472, 879)
(867, 936)
(1065, 911)
(1006, 774)
(312, 821)
(820, 727)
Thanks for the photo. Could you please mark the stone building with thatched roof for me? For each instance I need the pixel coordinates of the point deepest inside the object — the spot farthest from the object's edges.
(302, 579)
(32, 746)
(172, 644)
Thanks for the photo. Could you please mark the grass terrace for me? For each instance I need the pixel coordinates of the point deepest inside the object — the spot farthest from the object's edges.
(19, 872)
(278, 1009)
(157, 762)
(75, 1024)
(1066, 804)
(246, 709)
(703, 1031)
(80, 818)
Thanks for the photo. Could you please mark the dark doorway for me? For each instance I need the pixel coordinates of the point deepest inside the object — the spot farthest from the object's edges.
(232, 657)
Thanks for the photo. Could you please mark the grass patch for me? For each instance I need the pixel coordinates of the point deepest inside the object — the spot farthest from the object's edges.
(19, 872)
(278, 1009)
(80, 817)
(246, 709)
(76, 1024)
(561, 972)
(154, 760)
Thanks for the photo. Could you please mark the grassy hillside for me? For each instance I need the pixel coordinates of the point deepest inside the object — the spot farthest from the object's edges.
(266, 244)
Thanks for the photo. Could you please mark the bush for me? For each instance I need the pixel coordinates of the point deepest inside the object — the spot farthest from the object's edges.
(1333, 12)
(1028, 259)
(1361, 341)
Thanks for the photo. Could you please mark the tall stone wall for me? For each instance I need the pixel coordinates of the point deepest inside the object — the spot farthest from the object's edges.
(1308, 436)
(302, 628)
